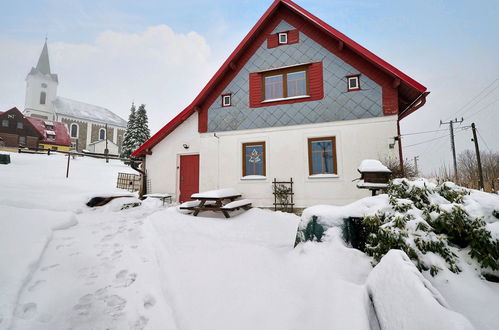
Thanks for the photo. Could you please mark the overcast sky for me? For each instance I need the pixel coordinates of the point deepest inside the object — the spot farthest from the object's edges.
(162, 53)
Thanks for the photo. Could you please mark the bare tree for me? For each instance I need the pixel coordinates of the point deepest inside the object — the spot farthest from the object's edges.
(393, 164)
(468, 169)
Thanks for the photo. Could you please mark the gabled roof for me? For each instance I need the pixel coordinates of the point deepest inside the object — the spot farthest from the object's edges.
(61, 131)
(85, 111)
(412, 88)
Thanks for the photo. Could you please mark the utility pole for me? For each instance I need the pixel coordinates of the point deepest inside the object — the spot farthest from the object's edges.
(452, 144)
(477, 151)
(416, 158)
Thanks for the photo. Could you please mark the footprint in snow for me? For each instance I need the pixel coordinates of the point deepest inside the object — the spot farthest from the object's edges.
(26, 311)
(149, 301)
(35, 285)
(124, 278)
(141, 323)
(48, 267)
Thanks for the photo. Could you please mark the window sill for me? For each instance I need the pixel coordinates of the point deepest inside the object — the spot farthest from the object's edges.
(253, 177)
(323, 176)
(286, 98)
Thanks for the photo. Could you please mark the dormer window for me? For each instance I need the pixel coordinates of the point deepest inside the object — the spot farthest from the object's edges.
(50, 135)
(283, 38)
(226, 100)
(353, 83)
(49, 125)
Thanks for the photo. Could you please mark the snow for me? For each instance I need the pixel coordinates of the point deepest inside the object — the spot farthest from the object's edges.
(372, 165)
(85, 111)
(235, 204)
(254, 177)
(363, 184)
(67, 266)
(49, 132)
(404, 299)
(220, 193)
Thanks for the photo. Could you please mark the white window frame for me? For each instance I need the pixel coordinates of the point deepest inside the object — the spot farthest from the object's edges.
(285, 40)
(71, 130)
(105, 135)
(357, 83)
(226, 100)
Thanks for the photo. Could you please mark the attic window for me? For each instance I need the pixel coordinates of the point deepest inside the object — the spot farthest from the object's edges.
(353, 83)
(226, 100)
(283, 38)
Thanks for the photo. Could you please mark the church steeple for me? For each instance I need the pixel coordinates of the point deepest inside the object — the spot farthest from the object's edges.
(43, 62)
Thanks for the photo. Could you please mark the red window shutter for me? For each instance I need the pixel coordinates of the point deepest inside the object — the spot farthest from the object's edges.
(255, 89)
(316, 81)
(272, 41)
(293, 36)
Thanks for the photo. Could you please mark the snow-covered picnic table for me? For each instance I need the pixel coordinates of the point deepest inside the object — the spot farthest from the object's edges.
(163, 197)
(213, 200)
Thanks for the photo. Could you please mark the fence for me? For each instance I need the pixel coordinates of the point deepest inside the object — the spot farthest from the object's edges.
(283, 195)
(128, 181)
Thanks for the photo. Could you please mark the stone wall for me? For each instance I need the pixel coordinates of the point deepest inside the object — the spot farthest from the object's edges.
(82, 132)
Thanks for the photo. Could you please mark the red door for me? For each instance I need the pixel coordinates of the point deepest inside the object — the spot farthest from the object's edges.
(189, 176)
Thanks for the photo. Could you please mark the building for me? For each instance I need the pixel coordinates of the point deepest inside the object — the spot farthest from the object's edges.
(296, 99)
(18, 130)
(86, 122)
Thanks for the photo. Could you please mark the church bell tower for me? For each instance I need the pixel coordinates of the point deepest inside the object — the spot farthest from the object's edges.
(41, 88)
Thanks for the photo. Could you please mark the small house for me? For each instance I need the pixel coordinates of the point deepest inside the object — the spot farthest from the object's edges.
(16, 130)
(296, 99)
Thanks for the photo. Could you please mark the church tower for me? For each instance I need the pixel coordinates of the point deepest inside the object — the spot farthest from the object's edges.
(41, 88)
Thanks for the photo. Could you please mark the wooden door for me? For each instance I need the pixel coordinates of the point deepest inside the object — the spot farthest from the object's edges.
(189, 176)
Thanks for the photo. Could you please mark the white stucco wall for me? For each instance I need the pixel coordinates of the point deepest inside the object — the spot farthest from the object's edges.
(32, 99)
(286, 157)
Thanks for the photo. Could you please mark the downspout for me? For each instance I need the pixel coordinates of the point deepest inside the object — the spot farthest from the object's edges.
(134, 165)
(413, 106)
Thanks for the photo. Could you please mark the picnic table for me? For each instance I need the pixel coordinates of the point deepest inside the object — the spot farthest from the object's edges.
(214, 200)
(163, 197)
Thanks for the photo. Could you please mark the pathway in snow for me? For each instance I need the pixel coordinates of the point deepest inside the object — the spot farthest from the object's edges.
(97, 274)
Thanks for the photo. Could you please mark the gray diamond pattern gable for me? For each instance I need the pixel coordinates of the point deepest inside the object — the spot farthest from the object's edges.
(337, 104)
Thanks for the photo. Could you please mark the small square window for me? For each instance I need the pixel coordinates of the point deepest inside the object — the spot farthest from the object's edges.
(20, 125)
(353, 83)
(5, 123)
(283, 38)
(226, 100)
(22, 140)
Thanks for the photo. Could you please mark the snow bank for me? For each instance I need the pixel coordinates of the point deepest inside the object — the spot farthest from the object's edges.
(404, 299)
(24, 234)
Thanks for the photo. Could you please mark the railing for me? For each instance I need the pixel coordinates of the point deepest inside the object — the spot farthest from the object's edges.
(128, 181)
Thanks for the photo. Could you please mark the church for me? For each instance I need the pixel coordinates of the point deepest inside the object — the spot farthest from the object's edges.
(90, 126)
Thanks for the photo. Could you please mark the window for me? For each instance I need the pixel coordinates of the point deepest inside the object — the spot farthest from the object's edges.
(226, 100)
(283, 38)
(284, 83)
(5, 123)
(322, 155)
(353, 83)
(102, 134)
(254, 159)
(20, 125)
(44, 85)
(74, 130)
(43, 97)
(50, 137)
(22, 140)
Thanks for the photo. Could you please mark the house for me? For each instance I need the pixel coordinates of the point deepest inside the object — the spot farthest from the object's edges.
(296, 99)
(87, 123)
(16, 130)
(53, 135)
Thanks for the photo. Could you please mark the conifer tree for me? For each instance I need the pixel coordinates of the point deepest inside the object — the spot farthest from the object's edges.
(141, 129)
(129, 138)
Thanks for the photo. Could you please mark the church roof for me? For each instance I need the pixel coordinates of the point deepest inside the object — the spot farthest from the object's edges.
(43, 65)
(43, 62)
(87, 112)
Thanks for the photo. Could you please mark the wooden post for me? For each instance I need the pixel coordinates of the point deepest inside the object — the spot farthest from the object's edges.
(477, 151)
(67, 169)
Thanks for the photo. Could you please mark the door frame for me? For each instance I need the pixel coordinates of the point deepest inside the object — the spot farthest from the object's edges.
(178, 171)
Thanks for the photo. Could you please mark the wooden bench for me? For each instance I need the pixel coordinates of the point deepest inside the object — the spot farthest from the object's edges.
(235, 205)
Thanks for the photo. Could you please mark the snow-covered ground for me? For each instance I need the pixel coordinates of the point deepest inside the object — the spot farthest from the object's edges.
(64, 265)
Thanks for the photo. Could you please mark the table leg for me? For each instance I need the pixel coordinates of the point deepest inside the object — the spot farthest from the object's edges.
(196, 212)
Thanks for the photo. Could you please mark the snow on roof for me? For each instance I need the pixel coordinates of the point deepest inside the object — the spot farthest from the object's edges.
(85, 111)
(372, 165)
(220, 193)
(60, 132)
(49, 123)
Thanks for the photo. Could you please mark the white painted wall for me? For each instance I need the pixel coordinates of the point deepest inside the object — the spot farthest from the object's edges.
(287, 156)
(100, 146)
(33, 89)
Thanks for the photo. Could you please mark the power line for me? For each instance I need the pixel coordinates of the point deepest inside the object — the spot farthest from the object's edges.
(483, 98)
(477, 96)
(483, 140)
(458, 130)
(416, 133)
(485, 107)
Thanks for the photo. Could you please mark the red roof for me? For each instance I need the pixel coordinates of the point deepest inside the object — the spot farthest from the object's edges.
(61, 131)
(412, 90)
